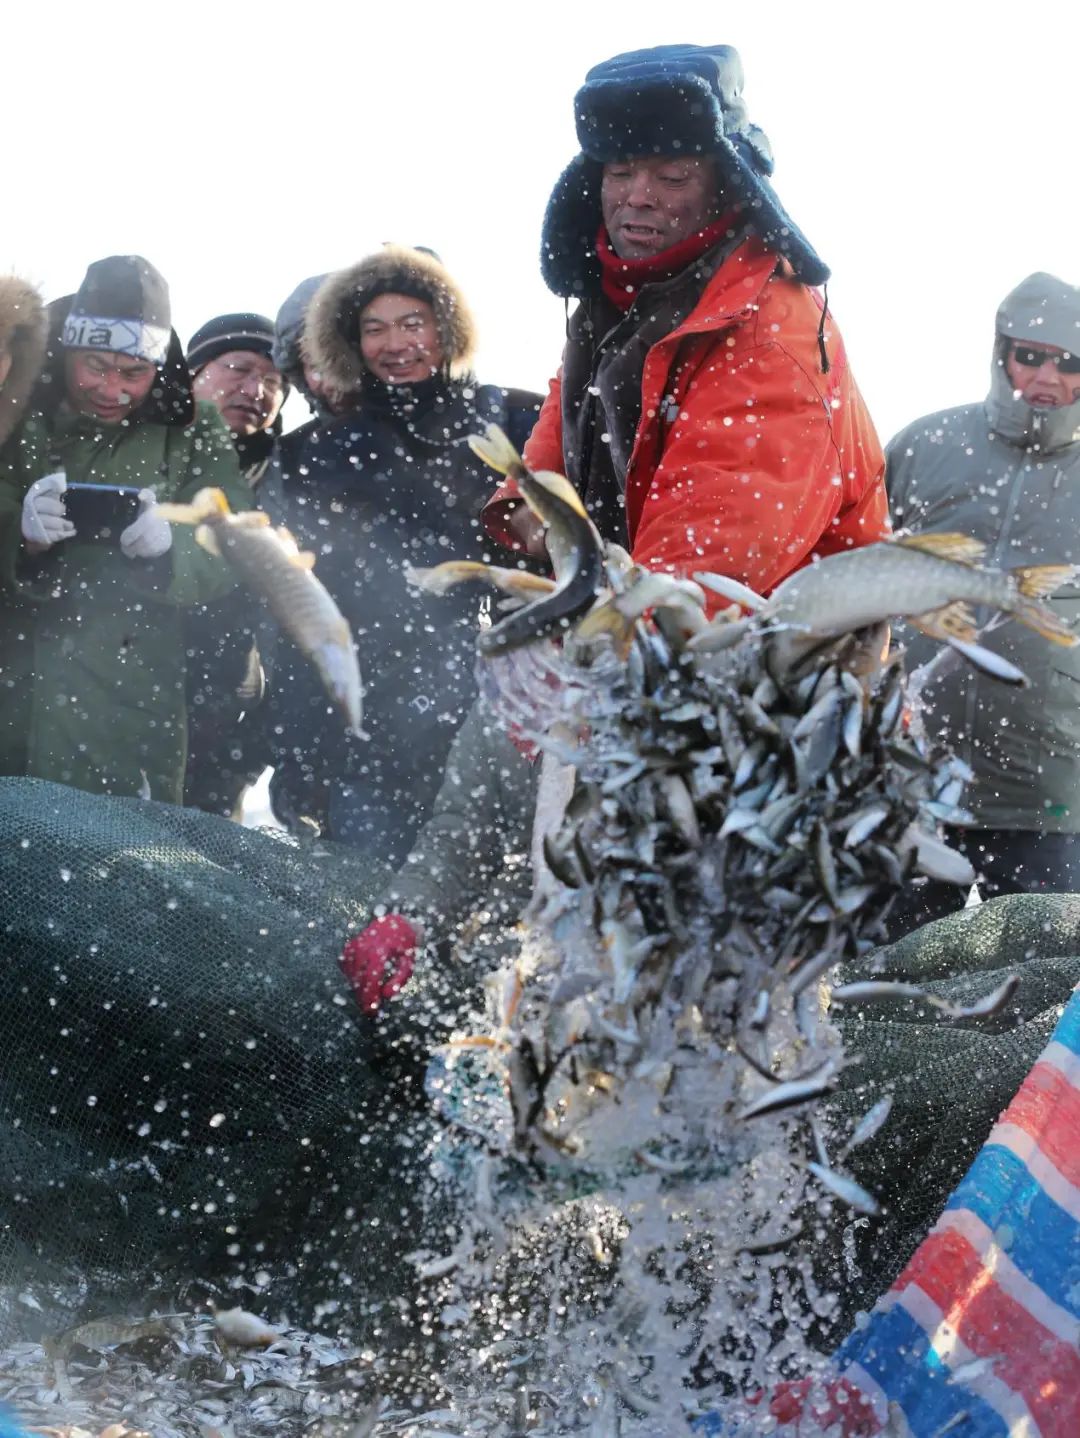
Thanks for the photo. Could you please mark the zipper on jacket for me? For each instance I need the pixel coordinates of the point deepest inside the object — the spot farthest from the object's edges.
(996, 554)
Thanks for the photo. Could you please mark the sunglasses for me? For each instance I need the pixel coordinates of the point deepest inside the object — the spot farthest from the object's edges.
(1034, 359)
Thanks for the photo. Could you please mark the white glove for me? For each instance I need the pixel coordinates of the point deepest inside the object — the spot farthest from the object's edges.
(149, 536)
(44, 518)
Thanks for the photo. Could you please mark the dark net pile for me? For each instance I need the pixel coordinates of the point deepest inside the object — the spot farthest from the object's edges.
(187, 1093)
(186, 1087)
(949, 1080)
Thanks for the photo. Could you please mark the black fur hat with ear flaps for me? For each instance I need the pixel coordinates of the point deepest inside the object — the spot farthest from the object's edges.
(332, 328)
(23, 327)
(671, 100)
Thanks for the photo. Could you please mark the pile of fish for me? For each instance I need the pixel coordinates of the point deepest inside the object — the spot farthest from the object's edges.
(636, 1168)
(202, 1375)
(746, 797)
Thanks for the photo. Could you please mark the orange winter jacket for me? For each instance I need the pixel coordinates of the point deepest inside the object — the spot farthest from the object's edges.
(748, 461)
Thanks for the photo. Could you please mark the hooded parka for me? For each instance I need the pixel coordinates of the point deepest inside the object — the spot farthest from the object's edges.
(92, 657)
(391, 484)
(23, 326)
(1008, 475)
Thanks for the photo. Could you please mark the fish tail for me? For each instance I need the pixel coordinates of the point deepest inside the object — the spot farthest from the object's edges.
(208, 504)
(1045, 622)
(494, 448)
(206, 539)
(1033, 583)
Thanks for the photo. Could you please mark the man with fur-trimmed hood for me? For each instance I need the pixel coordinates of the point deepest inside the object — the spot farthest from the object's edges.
(705, 409)
(391, 484)
(22, 348)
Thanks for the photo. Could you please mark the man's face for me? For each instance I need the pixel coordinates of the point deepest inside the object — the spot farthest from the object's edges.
(652, 202)
(5, 366)
(245, 389)
(106, 385)
(322, 390)
(1040, 374)
(399, 339)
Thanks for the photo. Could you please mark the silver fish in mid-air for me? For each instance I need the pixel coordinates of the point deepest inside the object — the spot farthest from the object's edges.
(270, 563)
(928, 579)
(575, 547)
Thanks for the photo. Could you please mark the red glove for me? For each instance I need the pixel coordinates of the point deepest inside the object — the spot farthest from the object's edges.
(386, 944)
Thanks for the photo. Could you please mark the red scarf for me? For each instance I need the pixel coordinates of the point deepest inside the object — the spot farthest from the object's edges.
(622, 279)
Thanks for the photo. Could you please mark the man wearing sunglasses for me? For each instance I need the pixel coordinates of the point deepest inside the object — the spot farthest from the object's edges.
(1007, 471)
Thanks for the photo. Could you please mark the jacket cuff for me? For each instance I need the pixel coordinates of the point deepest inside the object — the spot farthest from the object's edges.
(495, 515)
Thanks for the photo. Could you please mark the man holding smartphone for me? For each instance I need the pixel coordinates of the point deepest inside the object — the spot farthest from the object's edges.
(92, 652)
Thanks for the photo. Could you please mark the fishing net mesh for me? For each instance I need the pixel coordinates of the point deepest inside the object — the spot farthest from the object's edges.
(186, 1087)
(949, 1081)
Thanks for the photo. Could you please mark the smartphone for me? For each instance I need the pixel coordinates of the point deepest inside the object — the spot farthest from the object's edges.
(100, 512)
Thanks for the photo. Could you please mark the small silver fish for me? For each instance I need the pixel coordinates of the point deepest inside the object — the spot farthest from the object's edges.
(845, 1189)
(869, 1124)
(882, 989)
(794, 1091)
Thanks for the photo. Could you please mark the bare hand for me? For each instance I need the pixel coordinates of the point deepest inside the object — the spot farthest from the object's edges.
(528, 531)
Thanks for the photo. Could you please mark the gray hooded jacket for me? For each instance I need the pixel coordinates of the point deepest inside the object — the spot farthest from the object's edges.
(1009, 475)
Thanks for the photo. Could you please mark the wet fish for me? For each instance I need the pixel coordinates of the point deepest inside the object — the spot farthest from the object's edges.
(441, 578)
(246, 1330)
(791, 1093)
(935, 858)
(870, 1123)
(929, 579)
(101, 1333)
(575, 547)
(269, 562)
(882, 989)
(845, 1189)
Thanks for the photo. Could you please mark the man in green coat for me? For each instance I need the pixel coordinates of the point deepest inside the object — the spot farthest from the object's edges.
(92, 656)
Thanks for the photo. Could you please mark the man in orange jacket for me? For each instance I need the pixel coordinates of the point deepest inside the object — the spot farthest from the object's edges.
(704, 409)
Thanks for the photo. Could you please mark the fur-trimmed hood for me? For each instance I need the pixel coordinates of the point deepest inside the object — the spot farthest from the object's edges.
(22, 335)
(331, 332)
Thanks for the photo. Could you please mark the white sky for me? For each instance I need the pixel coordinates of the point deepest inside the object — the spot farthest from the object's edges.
(929, 151)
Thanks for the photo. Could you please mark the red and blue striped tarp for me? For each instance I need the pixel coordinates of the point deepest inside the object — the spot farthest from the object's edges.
(979, 1337)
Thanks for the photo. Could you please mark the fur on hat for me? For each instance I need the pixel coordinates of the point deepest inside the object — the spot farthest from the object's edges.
(23, 327)
(331, 339)
(673, 99)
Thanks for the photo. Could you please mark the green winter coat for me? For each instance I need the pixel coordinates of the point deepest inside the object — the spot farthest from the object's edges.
(92, 657)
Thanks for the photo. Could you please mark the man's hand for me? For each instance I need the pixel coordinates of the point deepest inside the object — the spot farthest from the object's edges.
(149, 536)
(528, 531)
(44, 518)
(378, 962)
